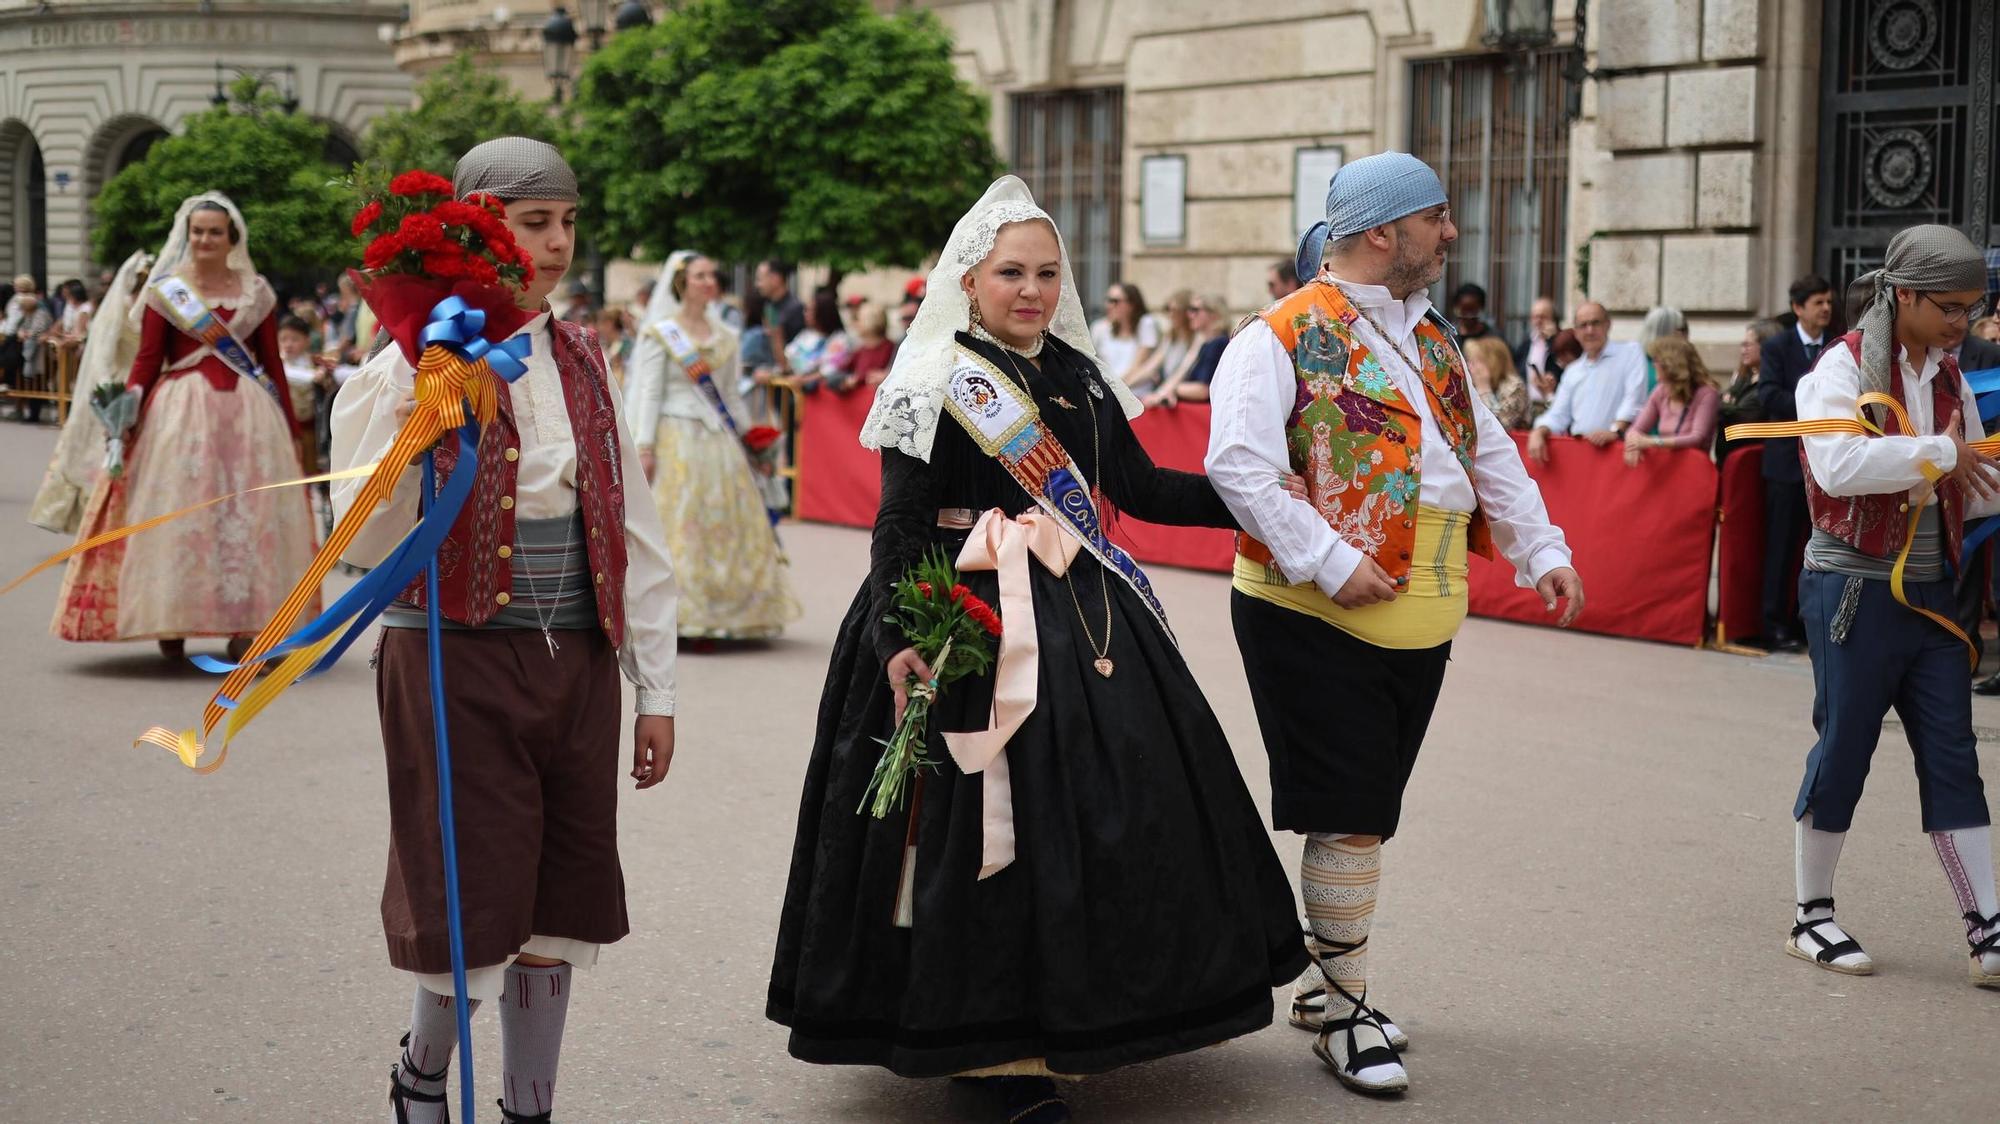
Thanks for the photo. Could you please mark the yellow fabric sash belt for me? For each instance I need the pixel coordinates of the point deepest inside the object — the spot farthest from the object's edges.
(1862, 426)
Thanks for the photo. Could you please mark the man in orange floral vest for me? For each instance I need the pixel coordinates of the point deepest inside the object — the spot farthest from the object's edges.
(1356, 383)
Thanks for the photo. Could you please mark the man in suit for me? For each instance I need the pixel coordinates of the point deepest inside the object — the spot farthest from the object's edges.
(1787, 357)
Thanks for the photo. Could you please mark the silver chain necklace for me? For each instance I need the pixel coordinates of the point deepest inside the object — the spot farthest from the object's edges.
(546, 619)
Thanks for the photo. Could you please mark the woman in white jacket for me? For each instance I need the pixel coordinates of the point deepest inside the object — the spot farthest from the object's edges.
(688, 421)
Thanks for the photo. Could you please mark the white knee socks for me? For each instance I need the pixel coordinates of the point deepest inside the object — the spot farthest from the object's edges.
(1815, 854)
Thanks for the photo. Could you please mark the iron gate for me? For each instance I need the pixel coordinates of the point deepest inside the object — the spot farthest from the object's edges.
(1907, 125)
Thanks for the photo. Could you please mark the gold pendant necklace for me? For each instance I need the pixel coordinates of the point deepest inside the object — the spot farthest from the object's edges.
(1103, 662)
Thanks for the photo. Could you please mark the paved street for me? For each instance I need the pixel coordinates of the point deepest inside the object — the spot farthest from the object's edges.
(1581, 922)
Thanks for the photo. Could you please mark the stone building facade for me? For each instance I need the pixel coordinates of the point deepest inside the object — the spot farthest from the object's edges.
(87, 85)
(1692, 173)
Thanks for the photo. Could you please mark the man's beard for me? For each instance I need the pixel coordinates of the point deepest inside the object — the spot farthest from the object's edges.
(1412, 270)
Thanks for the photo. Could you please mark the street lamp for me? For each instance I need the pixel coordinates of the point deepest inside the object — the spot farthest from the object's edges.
(632, 14)
(592, 13)
(1519, 26)
(558, 42)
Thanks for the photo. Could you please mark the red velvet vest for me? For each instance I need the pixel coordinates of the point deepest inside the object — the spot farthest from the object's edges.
(1876, 524)
(475, 574)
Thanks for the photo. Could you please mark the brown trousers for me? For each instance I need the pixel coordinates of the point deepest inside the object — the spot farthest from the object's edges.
(535, 767)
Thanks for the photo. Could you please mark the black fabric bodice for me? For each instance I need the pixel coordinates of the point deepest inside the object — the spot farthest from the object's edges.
(959, 475)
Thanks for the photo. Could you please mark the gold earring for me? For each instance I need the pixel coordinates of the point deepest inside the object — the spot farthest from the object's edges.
(976, 322)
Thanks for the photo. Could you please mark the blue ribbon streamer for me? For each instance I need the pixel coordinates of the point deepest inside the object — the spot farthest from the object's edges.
(447, 829)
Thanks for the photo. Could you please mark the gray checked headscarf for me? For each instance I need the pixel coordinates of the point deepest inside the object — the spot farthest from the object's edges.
(1922, 259)
(511, 168)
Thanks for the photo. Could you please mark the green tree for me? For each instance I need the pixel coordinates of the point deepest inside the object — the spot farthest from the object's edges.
(815, 130)
(457, 107)
(272, 164)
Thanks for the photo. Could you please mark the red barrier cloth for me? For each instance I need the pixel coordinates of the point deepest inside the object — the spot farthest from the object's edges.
(839, 481)
(1176, 438)
(1740, 546)
(1641, 538)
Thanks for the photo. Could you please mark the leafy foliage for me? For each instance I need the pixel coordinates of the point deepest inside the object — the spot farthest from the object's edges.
(457, 107)
(272, 164)
(812, 130)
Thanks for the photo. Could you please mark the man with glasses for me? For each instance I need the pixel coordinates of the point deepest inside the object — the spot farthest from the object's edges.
(1885, 507)
(1600, 393)
(1785, 360)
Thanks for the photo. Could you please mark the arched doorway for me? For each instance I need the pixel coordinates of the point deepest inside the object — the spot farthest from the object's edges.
(135, 149)
(24, 189)
(340, 150)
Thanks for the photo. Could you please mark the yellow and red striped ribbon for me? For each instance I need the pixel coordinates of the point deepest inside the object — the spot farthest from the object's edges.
(108, 537)
(1862, 426)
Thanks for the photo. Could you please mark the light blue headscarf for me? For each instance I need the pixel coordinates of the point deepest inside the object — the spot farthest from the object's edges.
(1370, 192)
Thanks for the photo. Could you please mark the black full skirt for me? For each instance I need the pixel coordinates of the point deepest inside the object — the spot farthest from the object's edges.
(1145, 913)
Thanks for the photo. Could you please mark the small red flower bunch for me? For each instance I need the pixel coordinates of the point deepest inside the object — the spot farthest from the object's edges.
(981, 613)
(954, 634)
(418, 229)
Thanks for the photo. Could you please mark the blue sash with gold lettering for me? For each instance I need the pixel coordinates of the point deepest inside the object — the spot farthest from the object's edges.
(1007, 426)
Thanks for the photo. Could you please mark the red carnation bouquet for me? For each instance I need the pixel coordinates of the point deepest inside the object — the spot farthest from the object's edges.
(953, 631)
(425, 246)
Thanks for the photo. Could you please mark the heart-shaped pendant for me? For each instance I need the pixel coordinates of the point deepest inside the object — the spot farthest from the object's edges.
(1103, 666)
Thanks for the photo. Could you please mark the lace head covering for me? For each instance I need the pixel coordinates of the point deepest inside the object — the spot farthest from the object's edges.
(1922, 259)
(510, 168)
(177, 259)
(905, 413)
(664, 305)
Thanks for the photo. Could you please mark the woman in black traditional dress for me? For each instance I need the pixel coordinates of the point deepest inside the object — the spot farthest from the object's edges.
(1143, 912)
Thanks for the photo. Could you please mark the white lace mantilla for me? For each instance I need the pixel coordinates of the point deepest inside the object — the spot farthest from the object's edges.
(907, 405)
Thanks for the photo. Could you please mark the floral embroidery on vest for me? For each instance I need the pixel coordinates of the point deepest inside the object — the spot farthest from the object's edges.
(1352, 434)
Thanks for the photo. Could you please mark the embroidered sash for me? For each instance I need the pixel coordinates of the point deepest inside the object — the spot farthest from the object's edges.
(185, 308)
(1006, 425)
(682, 347)
(684, 351)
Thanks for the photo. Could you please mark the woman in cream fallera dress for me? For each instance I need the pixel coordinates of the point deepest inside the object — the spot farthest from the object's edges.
(727, 559)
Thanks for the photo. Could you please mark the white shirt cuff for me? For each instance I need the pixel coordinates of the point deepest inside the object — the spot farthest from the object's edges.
(1546, 560)
(1339, 566)
(658, 701)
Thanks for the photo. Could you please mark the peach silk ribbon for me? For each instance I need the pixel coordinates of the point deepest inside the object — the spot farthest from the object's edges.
(1003, 545)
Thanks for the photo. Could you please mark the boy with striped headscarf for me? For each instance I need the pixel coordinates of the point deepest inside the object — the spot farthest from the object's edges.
(1899, 499)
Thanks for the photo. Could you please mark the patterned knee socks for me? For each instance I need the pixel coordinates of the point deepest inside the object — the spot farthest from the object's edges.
(1967, 857)
(433, 1037)
(532, 1014)
(1338, 881)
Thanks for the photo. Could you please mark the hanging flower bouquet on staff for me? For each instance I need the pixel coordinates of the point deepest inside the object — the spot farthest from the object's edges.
(953, 631)
(441, 275)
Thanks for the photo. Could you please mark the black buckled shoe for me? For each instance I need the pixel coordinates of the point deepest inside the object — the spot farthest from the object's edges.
(507, 1117)
(1835, 951)
(1355, 1045)
(1984, 947)
(401, 1095)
